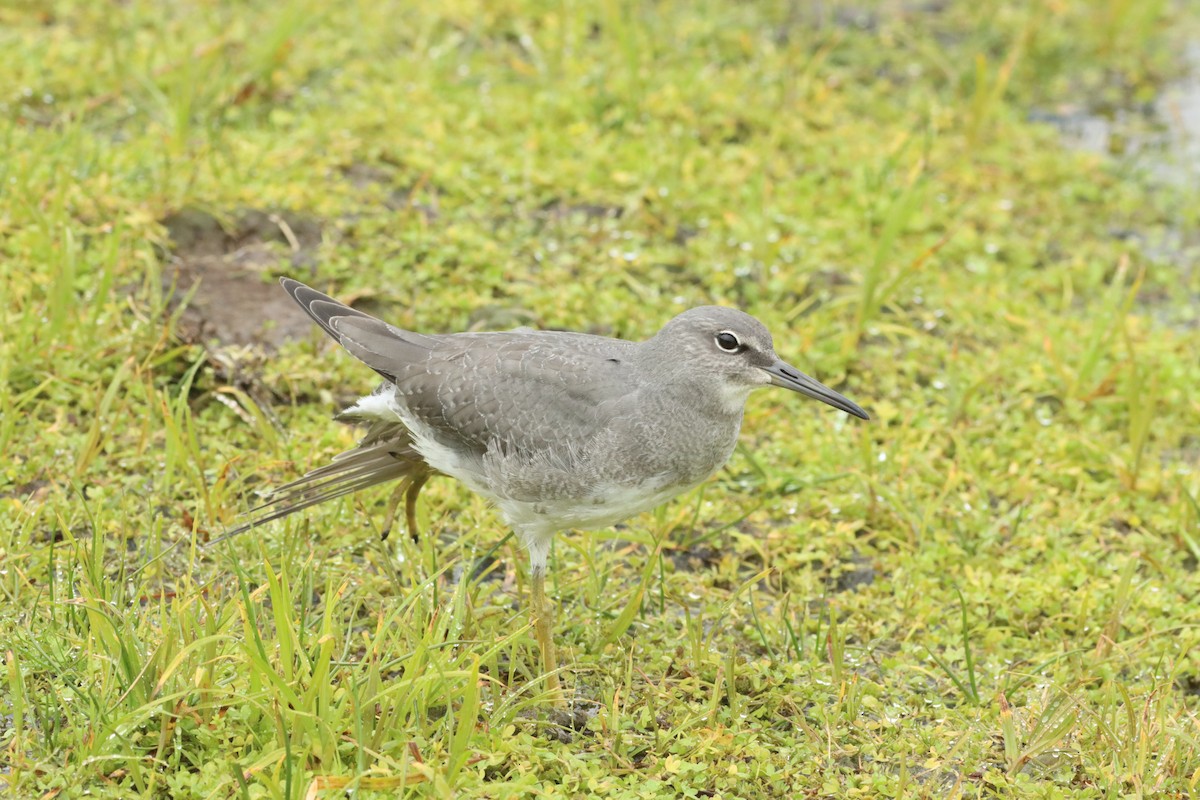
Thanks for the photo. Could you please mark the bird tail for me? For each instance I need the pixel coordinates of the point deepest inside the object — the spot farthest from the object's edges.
(373, 462)
(386, 452)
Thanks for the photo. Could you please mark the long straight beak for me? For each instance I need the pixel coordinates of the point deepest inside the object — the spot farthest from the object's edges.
(787, 376)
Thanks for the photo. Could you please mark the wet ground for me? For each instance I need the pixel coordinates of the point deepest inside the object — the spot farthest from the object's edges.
(1161, 140)
(1162, 137)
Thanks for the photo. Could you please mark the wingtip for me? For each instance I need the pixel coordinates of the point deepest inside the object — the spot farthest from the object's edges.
(291, 285)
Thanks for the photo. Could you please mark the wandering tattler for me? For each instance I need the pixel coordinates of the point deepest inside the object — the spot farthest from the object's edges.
(559, 430)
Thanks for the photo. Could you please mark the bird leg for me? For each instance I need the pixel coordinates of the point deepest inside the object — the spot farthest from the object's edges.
(410, 504)
(410, 487)
(542, 625)
(393, 503)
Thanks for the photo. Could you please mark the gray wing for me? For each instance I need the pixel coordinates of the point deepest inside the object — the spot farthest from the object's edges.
(541, 412)
(520, 390)
(332, 316)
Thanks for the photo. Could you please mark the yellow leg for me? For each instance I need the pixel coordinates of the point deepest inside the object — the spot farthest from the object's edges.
(541, 623)
(408, 489)
(393, 503)
(410, 504)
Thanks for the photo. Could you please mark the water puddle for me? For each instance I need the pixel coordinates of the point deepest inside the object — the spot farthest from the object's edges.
(1161, 138)
(1160, 141)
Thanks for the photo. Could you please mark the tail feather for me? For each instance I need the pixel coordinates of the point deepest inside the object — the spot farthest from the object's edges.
(386, 452)
(360, 468)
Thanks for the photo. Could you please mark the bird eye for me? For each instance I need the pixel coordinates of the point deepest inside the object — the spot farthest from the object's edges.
(728, 342)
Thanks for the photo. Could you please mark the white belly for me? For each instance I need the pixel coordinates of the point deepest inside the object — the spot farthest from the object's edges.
(603, 510)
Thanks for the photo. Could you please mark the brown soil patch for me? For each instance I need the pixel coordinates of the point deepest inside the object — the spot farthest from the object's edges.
(226, 273)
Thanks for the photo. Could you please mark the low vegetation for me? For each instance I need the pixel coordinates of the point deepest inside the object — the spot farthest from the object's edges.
(988, 590)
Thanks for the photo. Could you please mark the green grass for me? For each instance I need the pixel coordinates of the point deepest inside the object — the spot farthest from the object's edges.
(988, 590)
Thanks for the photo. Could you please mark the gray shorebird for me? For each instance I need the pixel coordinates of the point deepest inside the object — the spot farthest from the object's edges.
(559, 430)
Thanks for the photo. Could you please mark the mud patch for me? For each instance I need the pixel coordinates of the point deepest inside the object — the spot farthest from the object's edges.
(695, 559)
(226, 275)
(560, 211)
(853, 573)
(31, 492)
(421, 197)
